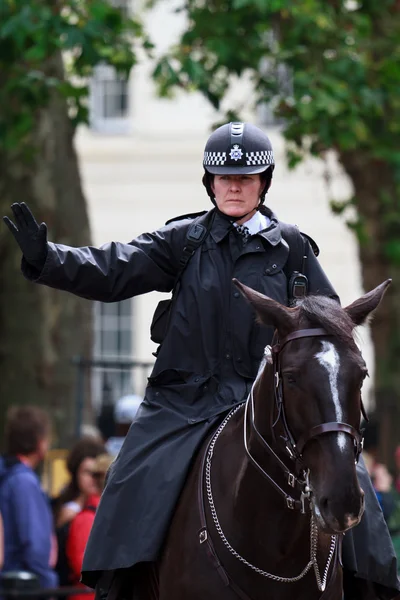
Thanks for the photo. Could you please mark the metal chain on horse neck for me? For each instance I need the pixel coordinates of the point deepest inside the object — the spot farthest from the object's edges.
(313, 563)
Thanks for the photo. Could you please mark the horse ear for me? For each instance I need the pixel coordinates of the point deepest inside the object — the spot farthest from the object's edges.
(269, 312)
(359, 310)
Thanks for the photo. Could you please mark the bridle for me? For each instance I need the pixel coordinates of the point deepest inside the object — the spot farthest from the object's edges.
(294, 449)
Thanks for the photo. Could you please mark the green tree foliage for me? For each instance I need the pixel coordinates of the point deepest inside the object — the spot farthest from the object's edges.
(33, 33)
(331, 70)
(48, 49)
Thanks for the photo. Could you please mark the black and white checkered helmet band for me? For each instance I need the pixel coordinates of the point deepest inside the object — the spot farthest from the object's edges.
(214, 159)
(262, 157)
(219, 159)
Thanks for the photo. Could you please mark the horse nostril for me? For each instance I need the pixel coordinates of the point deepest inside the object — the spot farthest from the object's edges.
(324, 504)
(325, 510)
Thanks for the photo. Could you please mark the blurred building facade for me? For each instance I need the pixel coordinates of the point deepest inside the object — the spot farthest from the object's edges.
(141, 164)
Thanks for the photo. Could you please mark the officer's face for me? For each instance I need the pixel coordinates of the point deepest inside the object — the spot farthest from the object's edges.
(237, 195)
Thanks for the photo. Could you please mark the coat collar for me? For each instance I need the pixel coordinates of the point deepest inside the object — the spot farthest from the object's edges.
(222, 226)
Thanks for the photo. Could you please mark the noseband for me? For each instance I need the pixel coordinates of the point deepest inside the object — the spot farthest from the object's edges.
(295, 449)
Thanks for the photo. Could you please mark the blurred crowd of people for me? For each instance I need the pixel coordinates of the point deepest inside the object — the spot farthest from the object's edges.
(387, 489)
(47, 536)
(39, 534)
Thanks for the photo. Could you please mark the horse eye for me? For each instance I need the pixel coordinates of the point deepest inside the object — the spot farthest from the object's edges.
(290, 377)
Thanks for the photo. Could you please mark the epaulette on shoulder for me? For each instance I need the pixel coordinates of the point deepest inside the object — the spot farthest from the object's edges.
(189, 216)
(313, 244)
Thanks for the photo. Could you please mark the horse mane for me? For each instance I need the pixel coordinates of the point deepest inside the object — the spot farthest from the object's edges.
(324, 312)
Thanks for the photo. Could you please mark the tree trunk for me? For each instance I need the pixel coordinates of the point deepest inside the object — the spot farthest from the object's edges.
(375, 194)
(41, 329)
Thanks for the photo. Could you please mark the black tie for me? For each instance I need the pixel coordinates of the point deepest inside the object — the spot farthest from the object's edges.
(244, 232)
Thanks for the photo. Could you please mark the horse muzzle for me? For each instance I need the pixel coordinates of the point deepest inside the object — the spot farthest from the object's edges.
(335, 517)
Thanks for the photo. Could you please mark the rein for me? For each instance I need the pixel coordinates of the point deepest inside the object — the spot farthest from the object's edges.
(292, 480)
(295, 451)
(206, 541)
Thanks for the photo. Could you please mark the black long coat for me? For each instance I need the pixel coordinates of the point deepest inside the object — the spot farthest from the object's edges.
(205, 366)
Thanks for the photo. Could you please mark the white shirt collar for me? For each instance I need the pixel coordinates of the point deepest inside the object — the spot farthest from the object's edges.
(257, 223)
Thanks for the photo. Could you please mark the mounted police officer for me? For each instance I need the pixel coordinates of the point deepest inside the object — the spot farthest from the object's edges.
(210, 345)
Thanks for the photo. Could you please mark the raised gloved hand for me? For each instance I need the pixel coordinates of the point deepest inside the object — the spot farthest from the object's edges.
(31, 237)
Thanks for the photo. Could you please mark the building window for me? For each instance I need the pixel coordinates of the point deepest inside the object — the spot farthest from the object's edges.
(113, 329)
(265, 110)
(112, 343)
(283, 77)
(123, 5)
(109, 101)
(109, 93)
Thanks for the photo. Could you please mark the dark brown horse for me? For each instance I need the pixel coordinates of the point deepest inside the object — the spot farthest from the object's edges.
(270, 495)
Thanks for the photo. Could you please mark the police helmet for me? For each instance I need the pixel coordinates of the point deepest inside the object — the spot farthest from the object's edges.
(238, 148)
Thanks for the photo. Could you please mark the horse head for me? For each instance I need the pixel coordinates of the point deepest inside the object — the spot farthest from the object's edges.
(315, 373)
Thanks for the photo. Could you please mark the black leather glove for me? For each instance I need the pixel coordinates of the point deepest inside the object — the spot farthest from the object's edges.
(31, 237)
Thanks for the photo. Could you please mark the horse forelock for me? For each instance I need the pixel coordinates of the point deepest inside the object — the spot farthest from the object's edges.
(324, 312)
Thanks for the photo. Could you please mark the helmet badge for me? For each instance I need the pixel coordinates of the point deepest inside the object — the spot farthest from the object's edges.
(236, 153)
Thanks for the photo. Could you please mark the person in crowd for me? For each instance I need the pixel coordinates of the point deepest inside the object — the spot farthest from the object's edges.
(381, 478)
(29, 540)
(397, 462)
(210, 347)
(81, 524)
(1, 542)
(90, 430)
(125, 410)
(382, 481)
(101, 468)
(74, 497)
(80, 462)
(394, 519)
